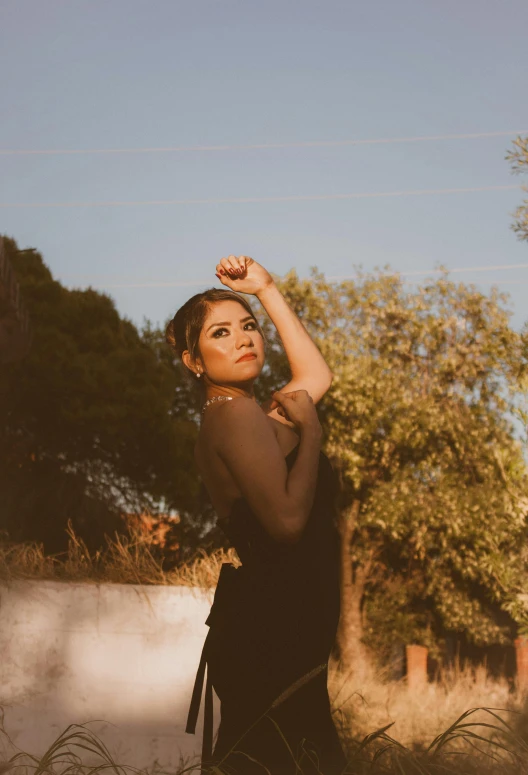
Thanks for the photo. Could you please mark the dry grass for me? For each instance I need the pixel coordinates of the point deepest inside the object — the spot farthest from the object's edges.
(449, 727)
(467, 746)
(465, 722)
(368, 702)
(122, 561)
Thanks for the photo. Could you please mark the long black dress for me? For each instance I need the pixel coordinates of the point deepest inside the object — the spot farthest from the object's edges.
(274, 620)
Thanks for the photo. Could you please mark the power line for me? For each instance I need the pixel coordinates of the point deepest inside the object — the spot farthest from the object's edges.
(509, 282)
(487, 268)
(195, 283)
(295, 198)
(305, 144)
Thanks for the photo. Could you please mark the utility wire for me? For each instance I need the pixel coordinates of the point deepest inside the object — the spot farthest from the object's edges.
(305, 144)
(195, 283)
(295, 198)
(487, 268)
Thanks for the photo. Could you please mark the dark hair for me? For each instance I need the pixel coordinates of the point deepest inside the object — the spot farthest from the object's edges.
(183, 331)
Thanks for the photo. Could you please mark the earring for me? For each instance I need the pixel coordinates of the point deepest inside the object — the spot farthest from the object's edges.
(198, 374)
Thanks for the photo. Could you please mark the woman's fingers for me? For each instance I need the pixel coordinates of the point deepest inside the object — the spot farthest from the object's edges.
(280, 400)
(276, 404)
(233, 265)
(230, 264)
(226, 266)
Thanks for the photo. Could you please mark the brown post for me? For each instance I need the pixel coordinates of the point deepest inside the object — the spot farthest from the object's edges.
(521, 654)
(416, 666)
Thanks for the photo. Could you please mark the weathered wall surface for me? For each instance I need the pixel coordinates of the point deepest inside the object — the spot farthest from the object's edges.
(109, 654)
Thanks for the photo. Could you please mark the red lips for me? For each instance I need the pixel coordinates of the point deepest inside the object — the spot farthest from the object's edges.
(247, 357)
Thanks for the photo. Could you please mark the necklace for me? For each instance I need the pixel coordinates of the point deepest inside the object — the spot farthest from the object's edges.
(216, 398)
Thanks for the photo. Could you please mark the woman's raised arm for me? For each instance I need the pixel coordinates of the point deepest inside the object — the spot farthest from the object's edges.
(309, 369)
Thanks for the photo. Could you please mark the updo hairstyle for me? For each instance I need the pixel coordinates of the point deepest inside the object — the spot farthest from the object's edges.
(183, 331)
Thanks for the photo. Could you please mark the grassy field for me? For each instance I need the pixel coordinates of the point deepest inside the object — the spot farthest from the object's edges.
(478, 742)
(464, 723)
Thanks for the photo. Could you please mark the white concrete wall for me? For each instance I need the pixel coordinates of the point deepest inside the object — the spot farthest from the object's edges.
(116, 654)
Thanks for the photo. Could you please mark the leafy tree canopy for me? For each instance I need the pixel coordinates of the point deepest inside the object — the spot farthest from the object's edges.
(419, 423)
(518, 158)
(88, 430)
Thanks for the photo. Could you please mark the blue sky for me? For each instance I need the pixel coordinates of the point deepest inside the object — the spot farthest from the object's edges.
(131, 74)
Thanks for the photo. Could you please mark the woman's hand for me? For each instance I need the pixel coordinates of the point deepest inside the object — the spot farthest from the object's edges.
(243, 274)
(298, 408)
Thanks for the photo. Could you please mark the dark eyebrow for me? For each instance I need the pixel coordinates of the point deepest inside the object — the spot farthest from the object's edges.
(227, 322)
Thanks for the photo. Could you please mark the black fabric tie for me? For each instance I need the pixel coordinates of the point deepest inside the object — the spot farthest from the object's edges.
(222, 600)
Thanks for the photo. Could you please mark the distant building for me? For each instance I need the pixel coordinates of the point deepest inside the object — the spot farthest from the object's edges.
(15, 328)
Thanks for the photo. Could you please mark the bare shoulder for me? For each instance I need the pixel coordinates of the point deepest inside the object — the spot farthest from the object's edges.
(238, 423)
(247, 445)
(243, 455)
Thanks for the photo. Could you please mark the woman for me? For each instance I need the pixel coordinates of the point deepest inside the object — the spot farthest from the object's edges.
(274, 619)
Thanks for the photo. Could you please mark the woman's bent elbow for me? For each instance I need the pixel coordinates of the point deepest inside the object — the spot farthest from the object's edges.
(293, 534)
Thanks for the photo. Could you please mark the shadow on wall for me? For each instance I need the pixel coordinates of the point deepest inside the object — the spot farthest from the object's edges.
(111, 654)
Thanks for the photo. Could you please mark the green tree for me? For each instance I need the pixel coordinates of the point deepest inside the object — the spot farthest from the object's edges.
(419, 426)
(87, 431)
(518, 158)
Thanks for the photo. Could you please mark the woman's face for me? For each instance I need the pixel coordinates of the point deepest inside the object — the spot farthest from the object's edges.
(229, 333)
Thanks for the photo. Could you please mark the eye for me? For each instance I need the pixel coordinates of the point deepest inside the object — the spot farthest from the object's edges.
(249, 323)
